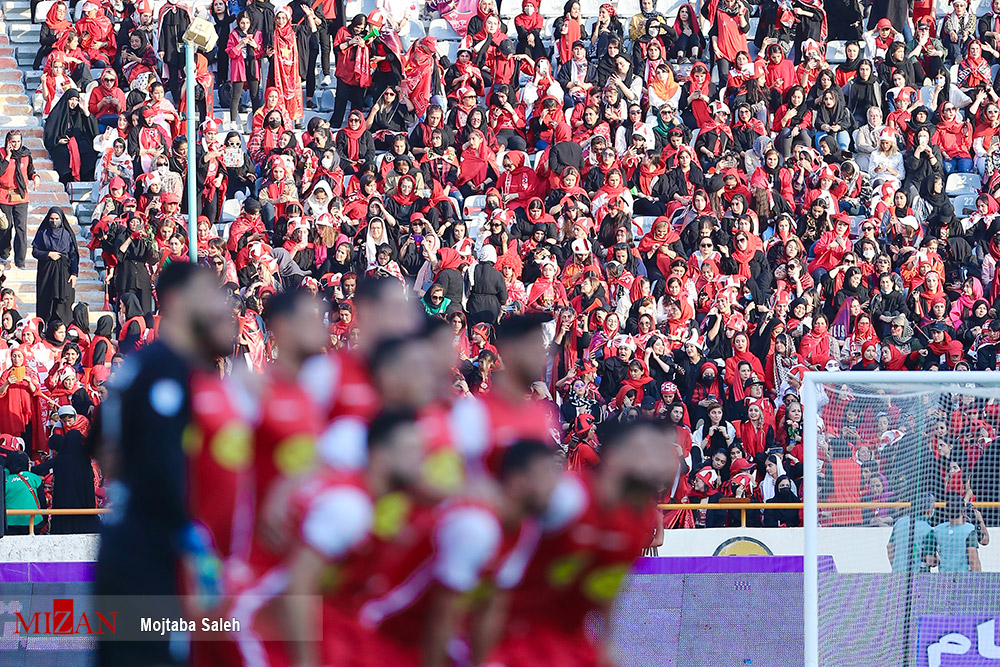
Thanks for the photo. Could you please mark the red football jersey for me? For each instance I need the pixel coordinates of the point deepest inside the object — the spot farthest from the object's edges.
(218, 443)
(583, 554)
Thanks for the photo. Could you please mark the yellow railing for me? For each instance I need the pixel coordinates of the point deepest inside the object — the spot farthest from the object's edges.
(51, 512)
(736, 504)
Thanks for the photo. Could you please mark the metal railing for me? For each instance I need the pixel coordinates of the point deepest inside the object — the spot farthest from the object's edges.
(84, 511)
(727, 504)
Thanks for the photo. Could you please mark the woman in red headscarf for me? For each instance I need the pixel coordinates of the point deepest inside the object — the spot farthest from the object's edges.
(818, 347)
(832, 245)
(741, 352)
(273, 101)
(519, 182)
(547, 292)
(97, 35)
(418, 74)
(974, 70)
(19, 386)
(986, 138)
(355, 143)
(286, 64)
(56, 25)
(567, 29)
(479, 168)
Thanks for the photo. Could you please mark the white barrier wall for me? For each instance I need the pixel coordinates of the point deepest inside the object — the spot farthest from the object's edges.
(48, 548)
(853, 549)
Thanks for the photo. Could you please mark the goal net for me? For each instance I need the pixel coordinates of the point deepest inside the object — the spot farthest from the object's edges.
(901, 477)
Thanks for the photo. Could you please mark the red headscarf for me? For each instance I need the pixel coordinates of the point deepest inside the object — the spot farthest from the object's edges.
(566, 40)
(418, 73)
(55, 24)
(529, 22)
(476, 163)
(354, 136)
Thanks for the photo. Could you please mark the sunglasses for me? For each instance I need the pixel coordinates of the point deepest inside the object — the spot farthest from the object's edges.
(233, 144)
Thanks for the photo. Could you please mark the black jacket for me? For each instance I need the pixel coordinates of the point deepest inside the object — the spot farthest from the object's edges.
(488, 294)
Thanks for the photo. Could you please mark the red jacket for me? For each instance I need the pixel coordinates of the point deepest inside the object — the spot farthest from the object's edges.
(954, 139)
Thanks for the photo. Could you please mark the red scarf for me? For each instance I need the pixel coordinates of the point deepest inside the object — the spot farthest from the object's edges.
(55, 25)
(566, 40)
(286, 69)
(354, 138)
(405, 200)
(475, 164)
(646, 177)
(529, 22)
(418, 73)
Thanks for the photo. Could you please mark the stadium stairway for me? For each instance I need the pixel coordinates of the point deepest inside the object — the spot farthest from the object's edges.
(18, 82)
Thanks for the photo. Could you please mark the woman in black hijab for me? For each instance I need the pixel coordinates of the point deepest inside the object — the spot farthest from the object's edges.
(72, 483)
(102, 347)
(55, 249)
(389, 117)
(69, 137)
(863, 92)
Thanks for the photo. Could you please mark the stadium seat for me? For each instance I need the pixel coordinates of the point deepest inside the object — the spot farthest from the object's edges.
(448, 49)
(836, 51)
(963, 184)
(964, 204)
(442, 30)
(645, 222)
(474, 205)
(41, 9)
(590, 8)
(550, 8)
(628, 8)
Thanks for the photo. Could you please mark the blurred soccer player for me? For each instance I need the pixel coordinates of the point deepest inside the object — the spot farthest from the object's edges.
(338, 515)
(572, 578)
(341, 384)
(425, 568)
(143, 426)
(284, 451)
(484, 426)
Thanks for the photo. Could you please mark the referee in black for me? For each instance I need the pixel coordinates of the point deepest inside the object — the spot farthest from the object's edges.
(149, 537)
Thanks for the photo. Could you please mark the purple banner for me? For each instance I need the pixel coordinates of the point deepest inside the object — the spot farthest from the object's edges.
(57, 572)
(957, 641)
(726, 565)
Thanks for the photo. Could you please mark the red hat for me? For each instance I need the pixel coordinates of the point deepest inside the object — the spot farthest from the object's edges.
(583, 423)
(740, 465)
(883, 23)
(828, 172)
(709, 477)
(759, 68)
(145, 7)
(170, 198)
(925, 20)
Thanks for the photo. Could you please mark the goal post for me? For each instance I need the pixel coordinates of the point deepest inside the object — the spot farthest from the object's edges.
(892, 443)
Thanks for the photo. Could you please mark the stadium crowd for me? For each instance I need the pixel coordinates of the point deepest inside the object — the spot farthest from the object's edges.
(697, 226)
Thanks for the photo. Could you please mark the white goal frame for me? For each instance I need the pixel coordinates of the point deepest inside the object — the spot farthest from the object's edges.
(810, 512)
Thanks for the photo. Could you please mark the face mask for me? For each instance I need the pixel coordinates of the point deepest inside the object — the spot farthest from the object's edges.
(869, 254)
(328, 163)
(707, 379)
(273, 123)
(162, 170)
(939, 81)
(56, 223)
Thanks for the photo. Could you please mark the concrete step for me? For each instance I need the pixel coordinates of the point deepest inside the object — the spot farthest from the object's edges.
(24, 32)
(12, 14)
(25, 55)
(10, 73)
(17, 109)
